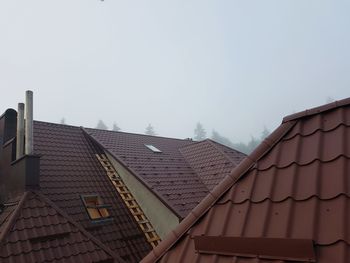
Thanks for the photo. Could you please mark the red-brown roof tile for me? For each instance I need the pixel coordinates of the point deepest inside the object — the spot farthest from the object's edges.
(180, 175)
(36, 230)
(295, 185)
(69, 169)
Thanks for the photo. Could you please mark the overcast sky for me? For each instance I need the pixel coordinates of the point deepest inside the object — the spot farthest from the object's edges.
(235, 66)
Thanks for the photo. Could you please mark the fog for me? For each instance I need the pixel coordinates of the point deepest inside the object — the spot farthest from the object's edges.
(234, 66)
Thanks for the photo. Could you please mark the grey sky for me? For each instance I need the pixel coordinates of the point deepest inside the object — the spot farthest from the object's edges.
(233, 65)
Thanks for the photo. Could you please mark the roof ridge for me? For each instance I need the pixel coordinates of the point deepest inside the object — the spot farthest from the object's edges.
(218, 191)
(316, 110)
(58, 124)
(12, 218)
(131, 171)
(187, 162)
(214, 144)
(45, 199)
(122, 132)
(193, 143)
(140, 134)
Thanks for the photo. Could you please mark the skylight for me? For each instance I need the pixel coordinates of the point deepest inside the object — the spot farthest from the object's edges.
(153, 148)
(95, 208)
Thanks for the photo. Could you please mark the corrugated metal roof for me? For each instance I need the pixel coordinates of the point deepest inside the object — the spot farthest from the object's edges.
(38, 231)
(295, 185)
(69, 169)
(181, 175)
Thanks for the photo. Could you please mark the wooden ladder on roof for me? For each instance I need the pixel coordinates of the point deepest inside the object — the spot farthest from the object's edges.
(129, 200)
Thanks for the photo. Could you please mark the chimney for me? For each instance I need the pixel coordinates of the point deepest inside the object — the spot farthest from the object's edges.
(20, 131)
(19, 167)
(29, 123)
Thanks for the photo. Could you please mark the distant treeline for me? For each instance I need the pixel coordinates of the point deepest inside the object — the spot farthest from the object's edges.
(199, 135)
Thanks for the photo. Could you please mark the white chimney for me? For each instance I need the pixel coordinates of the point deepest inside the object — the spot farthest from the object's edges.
(20, 131)
(29, 122)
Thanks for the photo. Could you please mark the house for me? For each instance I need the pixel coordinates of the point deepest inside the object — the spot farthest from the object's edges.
(288, 201)
(174, 175)
(84, 195)
(58, 205)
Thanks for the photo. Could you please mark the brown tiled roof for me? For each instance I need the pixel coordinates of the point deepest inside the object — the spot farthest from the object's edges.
(211, 161)
(69, 169)
(294, 186)
(179, 175)
(35, 230)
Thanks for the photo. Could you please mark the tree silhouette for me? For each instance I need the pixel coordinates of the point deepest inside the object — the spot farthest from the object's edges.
(101, 125)
(199, 132)
(115, 127)
(264, 133)
(241, 146)
(150, 130)
(63, 121)
(221, 139)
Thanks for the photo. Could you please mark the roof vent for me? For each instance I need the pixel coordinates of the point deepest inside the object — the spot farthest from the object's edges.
(153, 148)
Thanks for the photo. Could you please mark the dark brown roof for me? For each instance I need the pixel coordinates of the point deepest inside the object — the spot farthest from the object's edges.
(211, 161)
(181, 176)
(295, 186)
(69, 169)
(33, 229)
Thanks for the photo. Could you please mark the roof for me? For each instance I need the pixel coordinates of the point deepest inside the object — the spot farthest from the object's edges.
(33, 229)
(211, 161)
(181, 175)
(294, 188)
(69, 169)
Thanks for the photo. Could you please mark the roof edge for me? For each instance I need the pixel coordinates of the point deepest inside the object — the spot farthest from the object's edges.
(145, 135)
(217, 192)
(133, 173)
(213, 143)
(316, 110)
(13, 216)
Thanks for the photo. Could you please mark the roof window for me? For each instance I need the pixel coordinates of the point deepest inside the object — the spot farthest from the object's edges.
(153, 148)
(95, 207)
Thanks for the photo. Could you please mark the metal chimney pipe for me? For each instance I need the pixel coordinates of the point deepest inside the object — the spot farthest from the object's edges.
(20, 131)
(29, 122)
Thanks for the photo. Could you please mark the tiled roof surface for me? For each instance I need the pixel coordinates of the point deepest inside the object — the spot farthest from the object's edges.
(169, 174)
(5, 214)
(68, 169)
(295, 185)
(235, 156)
(37, 232)
(211, 161)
